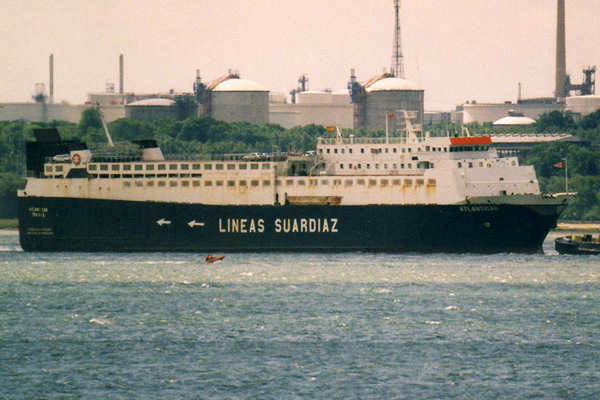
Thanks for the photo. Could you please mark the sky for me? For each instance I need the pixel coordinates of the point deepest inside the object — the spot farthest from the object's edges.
(456, 50)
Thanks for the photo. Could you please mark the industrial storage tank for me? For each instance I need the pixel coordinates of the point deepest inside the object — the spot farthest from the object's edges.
(388, 95)
(583, 105)
(237, 100)
(151, 109)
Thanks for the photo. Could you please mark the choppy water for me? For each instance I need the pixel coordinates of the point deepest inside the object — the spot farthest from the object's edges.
(274, 326)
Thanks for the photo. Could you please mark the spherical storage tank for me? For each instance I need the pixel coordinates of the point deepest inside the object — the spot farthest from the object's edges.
(151, 109)
(389, 95)
(237, 100)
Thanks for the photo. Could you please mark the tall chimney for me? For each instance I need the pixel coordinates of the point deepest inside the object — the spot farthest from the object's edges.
(121, 72)
(561, 57)
(51, 78)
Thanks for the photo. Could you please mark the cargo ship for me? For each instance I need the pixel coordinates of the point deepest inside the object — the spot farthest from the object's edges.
(405, 193)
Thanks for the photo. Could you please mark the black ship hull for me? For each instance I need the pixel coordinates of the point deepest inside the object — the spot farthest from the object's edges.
(71, 224)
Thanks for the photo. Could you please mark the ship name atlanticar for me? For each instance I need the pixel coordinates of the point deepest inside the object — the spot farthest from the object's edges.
(280, 225)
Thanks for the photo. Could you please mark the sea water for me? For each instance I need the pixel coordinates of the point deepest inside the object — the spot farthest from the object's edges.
(305, 326)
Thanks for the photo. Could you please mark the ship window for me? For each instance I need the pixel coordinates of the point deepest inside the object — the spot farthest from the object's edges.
(162, 183)
(230, 166)
(172, 167)
(103, 167)
(206, 183)
(513, 163)
(185, 183)
(312, 182)
(219, 183)
(404, 150)
(243, 166)
(188, 175)
(350, 151)
(150, 167)
(409, 149)
(139, 183)
(385, 166)
(387, 150)
(481, 163)
(394, 166)
(115, 167)
(243, 183)
(115, 175)
(402, 166)
(459, 164)
(206, 166)
(254, 183)
(219, 166)
(395, 150)
(350, 166)
(409, 166)
(427, 148)
(230, 183)
(328, 151)
(362, 150)
(368, 166)
(49, 168)
(267, 183)
(301, 182)
(124, 176)
(360, 182)
(103, 176)
(162, 167)
(337, 182)
(173, 175)
(420, 182)
(150, 183)
(396, 182)
(341, 166)
(372, 182)
(266, 166)
(376, 165)
(349, 182)
(184, 166)
(126, 184)
(384, 182)
(161, 175)
(137, 167)
(335, 150)
(289, 182)
(92, 167)
(325, 182)
(254, 166)
(59, 168)
(358, 166)
(408, 182)
(321, 151)
(343, 151)
(277, 182)
(445, 149)
(489, 165)
(173, 183)
(470, 165)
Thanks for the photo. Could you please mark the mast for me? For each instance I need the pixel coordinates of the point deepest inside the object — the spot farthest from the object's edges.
(397, 58)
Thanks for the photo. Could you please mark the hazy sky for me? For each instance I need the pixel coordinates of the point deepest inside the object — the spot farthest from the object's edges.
(456, 50)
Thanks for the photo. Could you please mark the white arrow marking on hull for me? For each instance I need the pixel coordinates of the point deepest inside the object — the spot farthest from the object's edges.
(163, 221)
(193, 223)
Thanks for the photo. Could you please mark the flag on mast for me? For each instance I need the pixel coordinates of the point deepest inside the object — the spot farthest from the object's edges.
(558, 165)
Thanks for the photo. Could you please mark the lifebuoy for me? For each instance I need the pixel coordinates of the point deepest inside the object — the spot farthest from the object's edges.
(76, 159)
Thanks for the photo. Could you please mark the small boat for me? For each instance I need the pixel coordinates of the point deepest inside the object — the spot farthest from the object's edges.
(582, 244)
(211, 259)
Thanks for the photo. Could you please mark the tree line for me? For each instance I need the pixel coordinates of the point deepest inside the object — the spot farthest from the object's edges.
(207, 135)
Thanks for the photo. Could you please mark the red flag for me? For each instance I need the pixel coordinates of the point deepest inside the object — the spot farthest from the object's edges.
(558, 165)
(390, 115)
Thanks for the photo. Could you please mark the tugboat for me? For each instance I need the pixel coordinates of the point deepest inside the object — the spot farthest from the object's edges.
(583, 244)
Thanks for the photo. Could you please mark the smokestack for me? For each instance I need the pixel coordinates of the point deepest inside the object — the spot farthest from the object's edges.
(561, 56)
(51, 78)
(121, 73)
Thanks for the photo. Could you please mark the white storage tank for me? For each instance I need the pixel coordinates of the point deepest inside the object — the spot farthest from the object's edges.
(151, 109)
(240, 100)
(388, 95)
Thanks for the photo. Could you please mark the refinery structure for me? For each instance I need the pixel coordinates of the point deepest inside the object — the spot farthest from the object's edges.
(373, 102)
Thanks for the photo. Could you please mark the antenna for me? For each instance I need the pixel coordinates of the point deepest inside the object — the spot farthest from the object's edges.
(397, 58)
